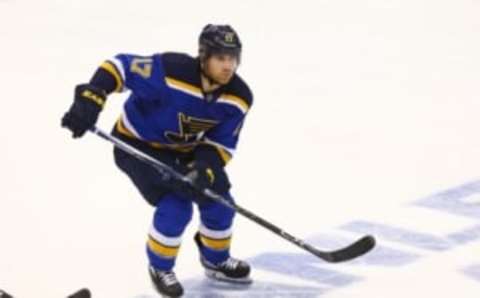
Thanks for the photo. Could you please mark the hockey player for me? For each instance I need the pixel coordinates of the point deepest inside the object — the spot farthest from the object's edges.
(187, 112)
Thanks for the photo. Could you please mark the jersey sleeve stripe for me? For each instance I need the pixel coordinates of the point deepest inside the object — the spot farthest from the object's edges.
(112, 69)
(119, 66)
(236, 101)
(225, 153)
(124, 127)
(185, 87)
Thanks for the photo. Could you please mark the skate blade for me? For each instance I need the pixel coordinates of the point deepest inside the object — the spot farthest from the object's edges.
(166, 296)
(161, 294)
(218, 276)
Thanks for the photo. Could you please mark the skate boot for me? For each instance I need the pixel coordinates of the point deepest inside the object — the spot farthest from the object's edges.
(231, 270)
(166, 283)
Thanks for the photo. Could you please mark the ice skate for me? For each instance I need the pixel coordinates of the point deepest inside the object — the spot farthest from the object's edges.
(166, 283)
(231, 270)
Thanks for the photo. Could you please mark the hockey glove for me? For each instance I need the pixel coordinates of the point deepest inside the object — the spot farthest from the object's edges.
(221, 184)
(209, 155)
(201, 175)
(83, 113)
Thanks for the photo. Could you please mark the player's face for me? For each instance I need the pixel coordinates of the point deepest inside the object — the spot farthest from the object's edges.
(221, 67)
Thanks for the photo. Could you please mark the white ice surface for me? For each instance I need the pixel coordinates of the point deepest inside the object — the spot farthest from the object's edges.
(361, 107)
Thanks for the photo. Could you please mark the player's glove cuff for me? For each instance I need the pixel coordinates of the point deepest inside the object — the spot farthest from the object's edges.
(83, 113)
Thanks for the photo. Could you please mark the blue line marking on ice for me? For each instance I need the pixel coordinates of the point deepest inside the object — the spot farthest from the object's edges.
(466, 236)
(395, 234)
(302, 266)
(387, 257)
(379, 256)
(455, 200)
(313, 271)
(328, 241)
(473, 272)
(205, 288)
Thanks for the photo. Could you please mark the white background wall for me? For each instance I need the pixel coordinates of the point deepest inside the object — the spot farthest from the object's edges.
(360, 107)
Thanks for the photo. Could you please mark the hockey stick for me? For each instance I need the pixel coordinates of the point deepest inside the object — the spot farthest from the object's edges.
(4, 294)
(356, 249)
(82, 293)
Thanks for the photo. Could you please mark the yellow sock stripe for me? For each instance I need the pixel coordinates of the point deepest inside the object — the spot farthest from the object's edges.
(162, 250)
(108, 66)
(218, 244)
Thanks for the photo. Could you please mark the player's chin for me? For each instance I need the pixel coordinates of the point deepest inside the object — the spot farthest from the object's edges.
(224, 79)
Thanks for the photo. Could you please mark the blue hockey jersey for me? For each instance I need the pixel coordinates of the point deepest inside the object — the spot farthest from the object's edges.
(168, 109)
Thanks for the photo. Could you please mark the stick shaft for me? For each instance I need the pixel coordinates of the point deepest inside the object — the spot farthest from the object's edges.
(165, 169)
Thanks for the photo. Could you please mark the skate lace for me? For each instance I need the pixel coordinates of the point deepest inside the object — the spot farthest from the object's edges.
(168, 278)
(231, 263)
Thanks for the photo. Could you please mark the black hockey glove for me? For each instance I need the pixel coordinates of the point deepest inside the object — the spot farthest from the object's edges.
(209, 155)
(221, 184)
(201, 175)
(84, 111)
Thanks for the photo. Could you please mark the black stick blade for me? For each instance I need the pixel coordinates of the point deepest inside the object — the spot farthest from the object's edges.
(83, 293)
(4, 294)
(354, 250)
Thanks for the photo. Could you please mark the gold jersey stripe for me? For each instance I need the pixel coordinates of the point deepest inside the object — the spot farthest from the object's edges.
(224, 154)
(235, 99)
(184, 86)
(218, 244)
(108, 66)
(226, 157)
(161, 249)
(205, 126)
(124, 131)
(180, 148)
